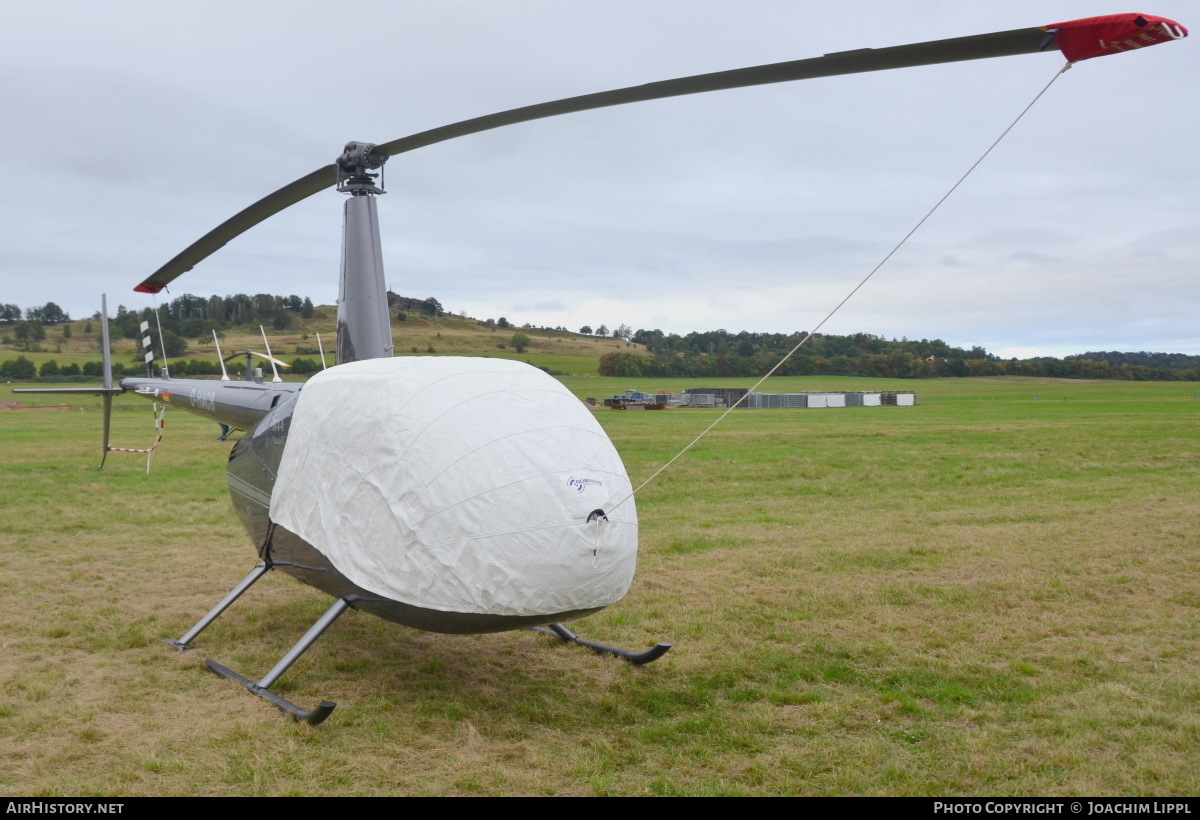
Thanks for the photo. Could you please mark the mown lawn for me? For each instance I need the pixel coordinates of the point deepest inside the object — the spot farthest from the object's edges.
(983, 594)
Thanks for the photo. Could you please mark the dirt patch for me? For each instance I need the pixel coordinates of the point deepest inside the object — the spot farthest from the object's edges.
(16, 405)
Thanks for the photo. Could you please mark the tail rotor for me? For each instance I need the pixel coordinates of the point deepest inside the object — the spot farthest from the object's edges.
(106, 392)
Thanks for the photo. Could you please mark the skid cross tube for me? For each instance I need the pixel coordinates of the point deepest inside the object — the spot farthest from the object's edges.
(185, 643)
(636, 658)
(262, 688)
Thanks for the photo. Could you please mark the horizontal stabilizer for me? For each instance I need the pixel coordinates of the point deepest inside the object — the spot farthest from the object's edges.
(84, 391)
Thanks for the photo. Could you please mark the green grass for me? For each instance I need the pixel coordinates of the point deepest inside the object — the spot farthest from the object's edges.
(984, 594)
(575, 365)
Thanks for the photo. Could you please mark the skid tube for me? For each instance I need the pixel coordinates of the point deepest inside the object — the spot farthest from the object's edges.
(263, 687)
(312, 718)
(636, 658)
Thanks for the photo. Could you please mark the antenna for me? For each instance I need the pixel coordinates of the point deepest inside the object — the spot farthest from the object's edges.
(267, 344)
(224, 375)
(321, 348)
(163, 344)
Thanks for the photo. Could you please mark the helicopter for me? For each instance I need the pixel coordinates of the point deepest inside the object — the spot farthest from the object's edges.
(461, 495)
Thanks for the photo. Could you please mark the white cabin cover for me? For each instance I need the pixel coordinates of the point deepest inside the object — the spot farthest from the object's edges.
(458, 484)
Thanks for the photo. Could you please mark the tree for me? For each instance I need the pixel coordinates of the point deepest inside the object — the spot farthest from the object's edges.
(654, 340)
(432, 306)
(66, 333)
(48, 313)
(27, 333)
(20, 369)
(602, 331)
(49, 368)
(502, 322)
(175, 344)
(306, 309)
(520, 341)
(628, 364)
(586, 330)
(303, 367)
(264, 305)
(193, 328)
(623, 332)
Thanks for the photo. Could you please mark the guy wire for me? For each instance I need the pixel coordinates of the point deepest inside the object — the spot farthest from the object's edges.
(856, 288)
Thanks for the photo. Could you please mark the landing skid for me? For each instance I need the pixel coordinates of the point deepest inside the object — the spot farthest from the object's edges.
(312, 717)
(636, 658)
(263, 687)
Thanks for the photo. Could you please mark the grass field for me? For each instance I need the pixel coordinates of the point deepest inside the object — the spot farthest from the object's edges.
(983, 594)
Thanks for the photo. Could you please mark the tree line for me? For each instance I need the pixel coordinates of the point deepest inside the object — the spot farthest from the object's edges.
(23, 370)
(1168, 361)
(192, 316)
(187, 316)
(47, 314)
(700, 354)
(719, 353)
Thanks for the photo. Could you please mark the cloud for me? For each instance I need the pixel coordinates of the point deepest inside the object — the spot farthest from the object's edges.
(751, 209)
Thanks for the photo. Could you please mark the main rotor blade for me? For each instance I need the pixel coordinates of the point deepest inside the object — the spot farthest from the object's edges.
(238, 224)
(976, 47)
(1079, 45)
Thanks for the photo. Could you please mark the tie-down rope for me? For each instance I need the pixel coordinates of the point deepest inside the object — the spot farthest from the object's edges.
(857, 287)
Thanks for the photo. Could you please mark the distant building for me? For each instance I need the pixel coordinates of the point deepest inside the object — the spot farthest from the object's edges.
(857, 399)
(713, 396)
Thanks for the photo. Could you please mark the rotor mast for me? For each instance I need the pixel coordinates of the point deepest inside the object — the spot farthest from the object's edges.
(364, 329)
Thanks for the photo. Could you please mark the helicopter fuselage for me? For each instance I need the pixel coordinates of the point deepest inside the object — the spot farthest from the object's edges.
(264, 411)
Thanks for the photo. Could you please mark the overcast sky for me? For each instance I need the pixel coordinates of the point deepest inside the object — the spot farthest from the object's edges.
(130, 129)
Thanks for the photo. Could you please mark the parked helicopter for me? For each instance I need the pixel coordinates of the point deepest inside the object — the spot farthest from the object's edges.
(451, 494)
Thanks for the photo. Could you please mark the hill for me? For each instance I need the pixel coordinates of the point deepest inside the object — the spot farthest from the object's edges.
(421, 328)
(78, 342)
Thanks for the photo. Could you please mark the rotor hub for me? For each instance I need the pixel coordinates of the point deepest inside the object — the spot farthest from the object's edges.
(354, 167)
